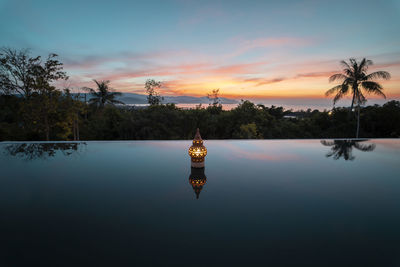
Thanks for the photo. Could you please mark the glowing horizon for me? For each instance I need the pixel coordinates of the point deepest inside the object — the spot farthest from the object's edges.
(258, 51)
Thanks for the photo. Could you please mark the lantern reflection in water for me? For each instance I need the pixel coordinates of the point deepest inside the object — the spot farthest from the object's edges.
(197, 179)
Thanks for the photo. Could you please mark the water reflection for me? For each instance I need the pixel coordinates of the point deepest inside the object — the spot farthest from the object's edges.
(32, 151)
(343, 148)
(197, 179)
(297, 207)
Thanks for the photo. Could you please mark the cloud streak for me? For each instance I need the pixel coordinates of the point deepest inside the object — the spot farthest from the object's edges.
(248, 45)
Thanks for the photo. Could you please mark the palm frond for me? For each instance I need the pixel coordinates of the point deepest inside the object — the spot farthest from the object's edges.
(337, 76)
(349, 80)
(345, 64)
(378, 74)
(368, 63)
(97, 82)
(338, 96)
(349, 72)
(363, 147)
(354, 64)
(89, 90)
(370, 86)
(373, 87)
(334, 90)
(364, 64)
(327, 143)
(330, 154)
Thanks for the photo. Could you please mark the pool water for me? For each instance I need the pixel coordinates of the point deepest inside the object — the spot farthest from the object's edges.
(256, 203)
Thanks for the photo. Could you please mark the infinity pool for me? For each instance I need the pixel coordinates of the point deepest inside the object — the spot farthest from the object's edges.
(263, 203)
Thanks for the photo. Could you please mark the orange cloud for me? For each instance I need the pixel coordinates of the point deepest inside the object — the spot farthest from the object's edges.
(200, 69)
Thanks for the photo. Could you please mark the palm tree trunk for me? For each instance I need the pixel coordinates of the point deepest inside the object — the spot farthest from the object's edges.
(352, 101)
(358, 120)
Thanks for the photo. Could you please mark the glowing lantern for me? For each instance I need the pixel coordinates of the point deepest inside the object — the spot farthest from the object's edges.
(197, 151)
(197, 179)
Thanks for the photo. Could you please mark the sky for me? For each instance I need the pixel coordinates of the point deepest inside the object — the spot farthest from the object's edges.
(248, 49)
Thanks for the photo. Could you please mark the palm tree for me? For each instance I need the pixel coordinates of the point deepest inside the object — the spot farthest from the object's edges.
(355, 81)
(104, 94)
(343, 148)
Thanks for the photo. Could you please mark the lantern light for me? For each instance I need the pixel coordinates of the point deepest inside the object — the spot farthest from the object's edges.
(197, 151)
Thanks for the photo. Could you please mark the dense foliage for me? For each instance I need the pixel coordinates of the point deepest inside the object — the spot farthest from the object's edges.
(69, 119)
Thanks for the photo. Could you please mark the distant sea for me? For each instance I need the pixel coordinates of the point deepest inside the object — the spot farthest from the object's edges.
(295, 104)
(287, 104)
(231, 106)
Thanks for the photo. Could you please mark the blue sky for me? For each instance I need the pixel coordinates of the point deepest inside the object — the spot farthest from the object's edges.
(253, 49)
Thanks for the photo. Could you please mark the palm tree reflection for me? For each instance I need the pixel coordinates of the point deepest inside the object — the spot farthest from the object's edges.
(197, 179)
(31, 151)
(343, 148)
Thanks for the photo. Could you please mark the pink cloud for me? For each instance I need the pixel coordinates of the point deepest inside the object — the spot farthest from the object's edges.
(247, 45)
(326, 74)
(262, 81)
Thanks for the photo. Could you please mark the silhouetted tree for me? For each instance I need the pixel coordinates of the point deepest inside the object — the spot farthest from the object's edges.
(103, 94)
(213, 97)
(153, 97)
(30, 77)
(22, 74)
(354, 80)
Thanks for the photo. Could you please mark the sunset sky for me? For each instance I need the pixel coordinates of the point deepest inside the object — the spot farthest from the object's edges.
(248, 49)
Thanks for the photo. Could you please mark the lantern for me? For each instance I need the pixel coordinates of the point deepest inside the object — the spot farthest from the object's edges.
(197, 151)
(197, 179)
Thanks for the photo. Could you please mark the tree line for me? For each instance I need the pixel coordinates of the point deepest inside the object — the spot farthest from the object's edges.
(32, 108)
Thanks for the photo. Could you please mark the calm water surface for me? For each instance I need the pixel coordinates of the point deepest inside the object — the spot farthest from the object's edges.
(264, 203)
